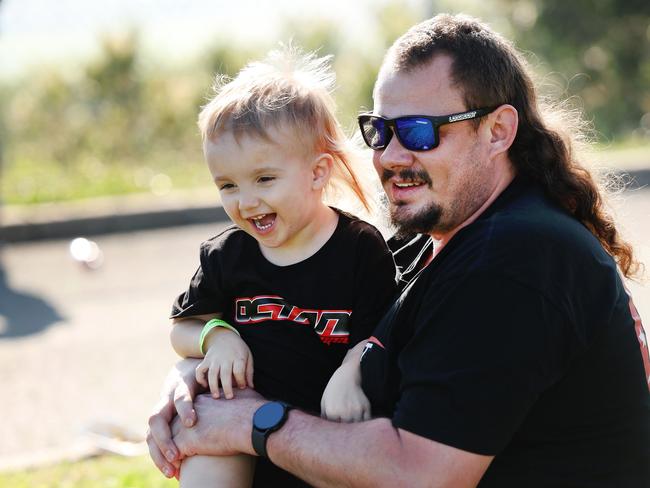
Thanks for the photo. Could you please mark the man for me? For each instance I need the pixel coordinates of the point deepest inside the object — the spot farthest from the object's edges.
(514, 358)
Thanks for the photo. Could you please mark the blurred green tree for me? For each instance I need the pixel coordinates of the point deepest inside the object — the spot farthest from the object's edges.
(119, 124)
(601, 46)
(111, 128)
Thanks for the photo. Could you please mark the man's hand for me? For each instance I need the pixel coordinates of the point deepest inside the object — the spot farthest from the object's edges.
(227, 357)
(223, 427)
(176, 398)
(343, 399)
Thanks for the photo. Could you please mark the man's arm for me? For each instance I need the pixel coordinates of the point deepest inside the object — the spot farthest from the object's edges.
(325, 453)
(370, 454)
(176, 397)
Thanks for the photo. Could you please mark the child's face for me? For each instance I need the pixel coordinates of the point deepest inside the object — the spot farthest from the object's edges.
(269, 189)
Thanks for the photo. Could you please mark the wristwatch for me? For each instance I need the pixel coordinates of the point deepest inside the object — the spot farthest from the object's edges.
(266, 420)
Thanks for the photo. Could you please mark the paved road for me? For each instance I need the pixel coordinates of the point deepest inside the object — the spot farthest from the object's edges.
(80, 346)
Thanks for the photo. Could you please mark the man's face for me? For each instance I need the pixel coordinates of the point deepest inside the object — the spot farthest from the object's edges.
(431, 191)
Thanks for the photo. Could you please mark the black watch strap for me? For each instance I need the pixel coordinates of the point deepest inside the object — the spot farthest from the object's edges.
(259, 442)
(266, 420)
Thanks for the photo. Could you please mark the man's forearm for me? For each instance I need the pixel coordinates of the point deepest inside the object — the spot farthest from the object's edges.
(325, 453)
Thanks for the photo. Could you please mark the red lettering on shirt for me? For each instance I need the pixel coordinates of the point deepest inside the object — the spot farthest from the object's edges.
(330, 325)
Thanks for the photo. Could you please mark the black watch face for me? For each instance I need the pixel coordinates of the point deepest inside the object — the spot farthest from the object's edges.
(268, 415)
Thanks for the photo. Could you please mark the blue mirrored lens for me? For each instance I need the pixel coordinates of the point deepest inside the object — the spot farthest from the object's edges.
(416, 133)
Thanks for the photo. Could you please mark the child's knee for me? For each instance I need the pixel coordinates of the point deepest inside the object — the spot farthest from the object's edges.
(226, 471)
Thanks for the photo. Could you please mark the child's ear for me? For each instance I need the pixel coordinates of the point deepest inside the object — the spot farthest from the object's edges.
(321, 170)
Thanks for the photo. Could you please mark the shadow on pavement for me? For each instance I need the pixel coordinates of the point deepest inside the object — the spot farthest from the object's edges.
(24, 314)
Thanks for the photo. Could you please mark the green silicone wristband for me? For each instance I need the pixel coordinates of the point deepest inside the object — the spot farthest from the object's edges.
(211, 324)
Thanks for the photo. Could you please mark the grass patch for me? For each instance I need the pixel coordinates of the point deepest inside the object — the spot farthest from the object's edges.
(28, 181)
(101, 472)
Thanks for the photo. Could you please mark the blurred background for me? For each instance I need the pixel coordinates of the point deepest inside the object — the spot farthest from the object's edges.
(98, 103)
(102, 98)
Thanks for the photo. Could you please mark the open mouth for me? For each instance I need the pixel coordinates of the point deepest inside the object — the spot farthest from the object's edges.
(409, 184)
(406, 178)
(403, 191)
(263, 222)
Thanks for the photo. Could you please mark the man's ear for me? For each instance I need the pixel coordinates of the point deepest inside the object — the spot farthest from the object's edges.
(502, 124)
(321, 170)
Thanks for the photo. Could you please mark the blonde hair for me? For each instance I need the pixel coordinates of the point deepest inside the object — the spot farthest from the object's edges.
(287, 89)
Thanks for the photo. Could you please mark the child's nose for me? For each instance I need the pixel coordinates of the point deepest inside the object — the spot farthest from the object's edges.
(248, 201)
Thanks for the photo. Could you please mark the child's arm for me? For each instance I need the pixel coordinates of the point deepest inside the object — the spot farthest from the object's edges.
(185, 334)
(226, 356)
(343, 399)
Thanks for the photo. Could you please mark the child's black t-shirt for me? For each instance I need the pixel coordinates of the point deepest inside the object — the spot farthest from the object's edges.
(298, 320)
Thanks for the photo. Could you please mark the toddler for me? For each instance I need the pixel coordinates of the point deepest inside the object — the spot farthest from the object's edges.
(281, 297)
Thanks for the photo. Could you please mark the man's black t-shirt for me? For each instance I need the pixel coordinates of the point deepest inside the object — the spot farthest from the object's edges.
(520, 341)
(299, 320)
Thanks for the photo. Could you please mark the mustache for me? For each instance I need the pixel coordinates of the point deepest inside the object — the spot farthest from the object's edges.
(407, 174)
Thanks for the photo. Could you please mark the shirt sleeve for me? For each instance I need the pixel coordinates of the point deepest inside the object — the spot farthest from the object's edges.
(483, 350)
(204, 294)
(376, 285)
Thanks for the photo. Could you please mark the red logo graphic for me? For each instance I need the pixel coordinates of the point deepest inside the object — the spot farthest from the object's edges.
(330, 325)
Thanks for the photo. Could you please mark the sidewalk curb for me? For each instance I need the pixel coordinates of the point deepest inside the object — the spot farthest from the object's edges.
(188, 210)
(108, 224)
(106, 215)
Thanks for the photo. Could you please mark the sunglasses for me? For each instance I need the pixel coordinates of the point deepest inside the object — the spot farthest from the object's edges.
(414, 132)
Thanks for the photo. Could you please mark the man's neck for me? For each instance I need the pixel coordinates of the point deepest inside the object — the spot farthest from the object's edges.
(443, 238)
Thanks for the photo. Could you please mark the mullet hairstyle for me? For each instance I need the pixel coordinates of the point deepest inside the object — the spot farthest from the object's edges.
(490, 72)
(287, 89)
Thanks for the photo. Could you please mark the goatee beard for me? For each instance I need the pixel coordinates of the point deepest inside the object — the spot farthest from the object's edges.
(423, 222)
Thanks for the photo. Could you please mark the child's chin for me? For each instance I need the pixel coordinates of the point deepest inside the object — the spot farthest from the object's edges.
(269, 244)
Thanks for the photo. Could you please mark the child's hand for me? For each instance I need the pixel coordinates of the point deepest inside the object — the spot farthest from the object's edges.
(227, 356)
(343, 399)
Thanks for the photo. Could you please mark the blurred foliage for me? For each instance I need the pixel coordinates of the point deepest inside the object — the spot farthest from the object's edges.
(117, 127)
(110, 130)
(602, 47)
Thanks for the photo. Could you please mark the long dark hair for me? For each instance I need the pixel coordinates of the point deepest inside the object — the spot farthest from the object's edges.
(491, 72)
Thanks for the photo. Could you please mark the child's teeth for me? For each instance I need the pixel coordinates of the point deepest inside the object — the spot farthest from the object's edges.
(262, 227)
(258, 222)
